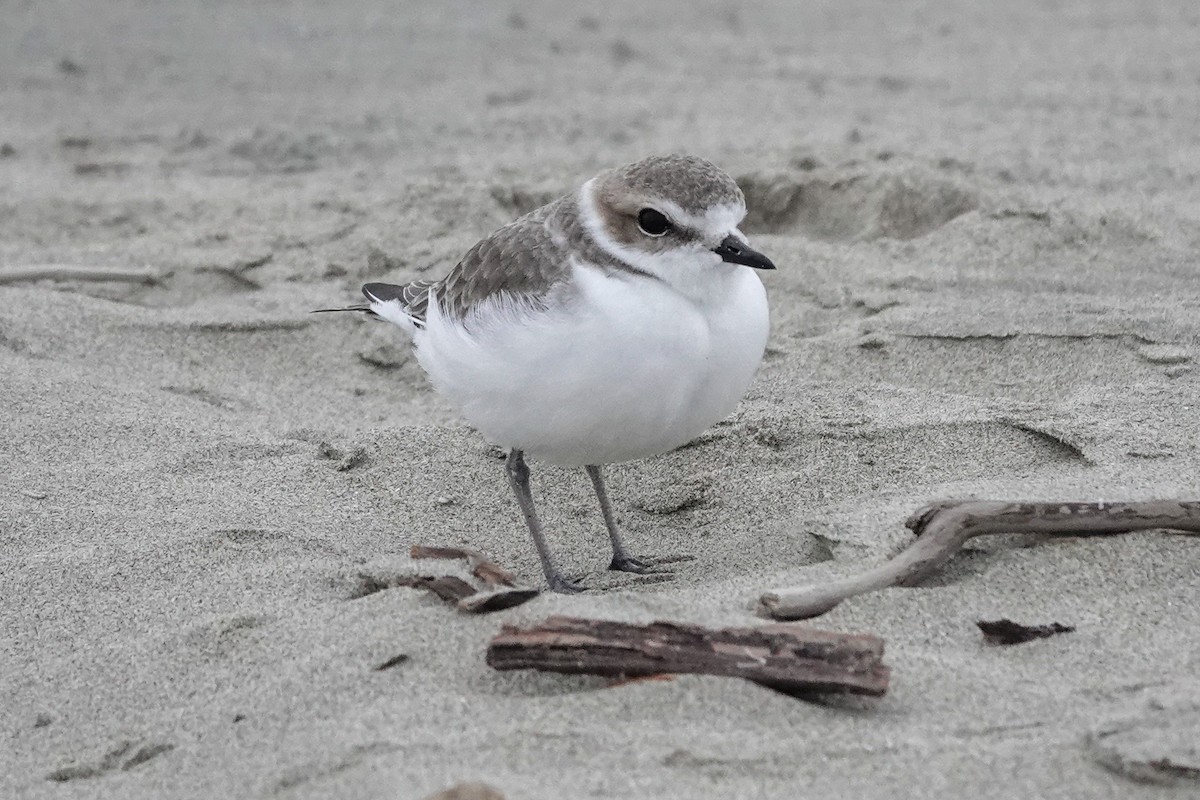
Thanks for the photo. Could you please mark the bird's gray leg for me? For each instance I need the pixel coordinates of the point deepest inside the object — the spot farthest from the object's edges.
(621, 560)
(518, 479)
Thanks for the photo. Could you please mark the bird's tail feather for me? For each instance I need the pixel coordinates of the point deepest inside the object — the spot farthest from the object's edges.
(361, 309)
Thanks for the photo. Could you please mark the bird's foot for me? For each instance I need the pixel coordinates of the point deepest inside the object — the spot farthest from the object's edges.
(562, 584)
(627, 563)
(623, 562)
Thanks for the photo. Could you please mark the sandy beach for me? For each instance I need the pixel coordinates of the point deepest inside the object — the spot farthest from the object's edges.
(986, 220)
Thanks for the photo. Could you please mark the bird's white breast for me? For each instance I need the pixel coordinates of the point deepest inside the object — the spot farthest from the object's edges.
(624, 368)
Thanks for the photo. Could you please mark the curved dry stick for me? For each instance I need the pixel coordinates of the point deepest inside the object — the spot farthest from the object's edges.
(944, 527)
(70, 272)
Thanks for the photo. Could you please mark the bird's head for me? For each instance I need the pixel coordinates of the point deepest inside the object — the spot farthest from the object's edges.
(674, 217)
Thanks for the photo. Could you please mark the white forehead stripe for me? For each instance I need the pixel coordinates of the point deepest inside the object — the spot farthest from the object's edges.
(718, 220)
(725, 218)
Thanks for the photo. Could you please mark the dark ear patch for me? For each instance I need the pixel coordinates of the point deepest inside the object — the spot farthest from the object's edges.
(624, 228)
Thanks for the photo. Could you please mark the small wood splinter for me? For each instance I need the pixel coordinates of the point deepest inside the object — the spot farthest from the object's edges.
(502, 592)
(487, 571)
(944, 527)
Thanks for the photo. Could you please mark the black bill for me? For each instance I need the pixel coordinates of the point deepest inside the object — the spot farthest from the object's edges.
(735, 251)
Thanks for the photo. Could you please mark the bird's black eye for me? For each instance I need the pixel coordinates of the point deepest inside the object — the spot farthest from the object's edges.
(652, 222)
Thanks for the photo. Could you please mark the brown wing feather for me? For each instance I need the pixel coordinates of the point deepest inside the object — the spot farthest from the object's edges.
(527, 258)
(524, 258)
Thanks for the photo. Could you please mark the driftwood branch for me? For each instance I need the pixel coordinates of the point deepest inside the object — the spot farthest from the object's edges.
(71, 272)
(942, 529)
(791, 658)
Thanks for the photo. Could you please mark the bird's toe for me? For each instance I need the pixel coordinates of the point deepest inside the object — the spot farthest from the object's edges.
(640, 566)
(564, 585)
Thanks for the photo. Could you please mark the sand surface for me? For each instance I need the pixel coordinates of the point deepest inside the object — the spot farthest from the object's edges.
(987, 223)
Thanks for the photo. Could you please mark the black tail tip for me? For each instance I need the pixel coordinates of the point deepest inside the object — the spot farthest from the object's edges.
(365, 309)
(382, 292)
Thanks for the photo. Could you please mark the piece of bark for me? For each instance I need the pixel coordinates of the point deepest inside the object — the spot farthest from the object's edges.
(1005, 631)
(501, 591)
(447, 587)
(462, 594)
(496, 600)
(487, 571)
(942, 529)
(790, 658)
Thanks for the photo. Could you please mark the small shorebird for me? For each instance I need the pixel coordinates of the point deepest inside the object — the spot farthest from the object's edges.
(615, 323)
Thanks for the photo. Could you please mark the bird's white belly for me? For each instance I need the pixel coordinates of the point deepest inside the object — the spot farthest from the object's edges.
(627, 369)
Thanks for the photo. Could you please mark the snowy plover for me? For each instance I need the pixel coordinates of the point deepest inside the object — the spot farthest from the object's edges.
(613, 324)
